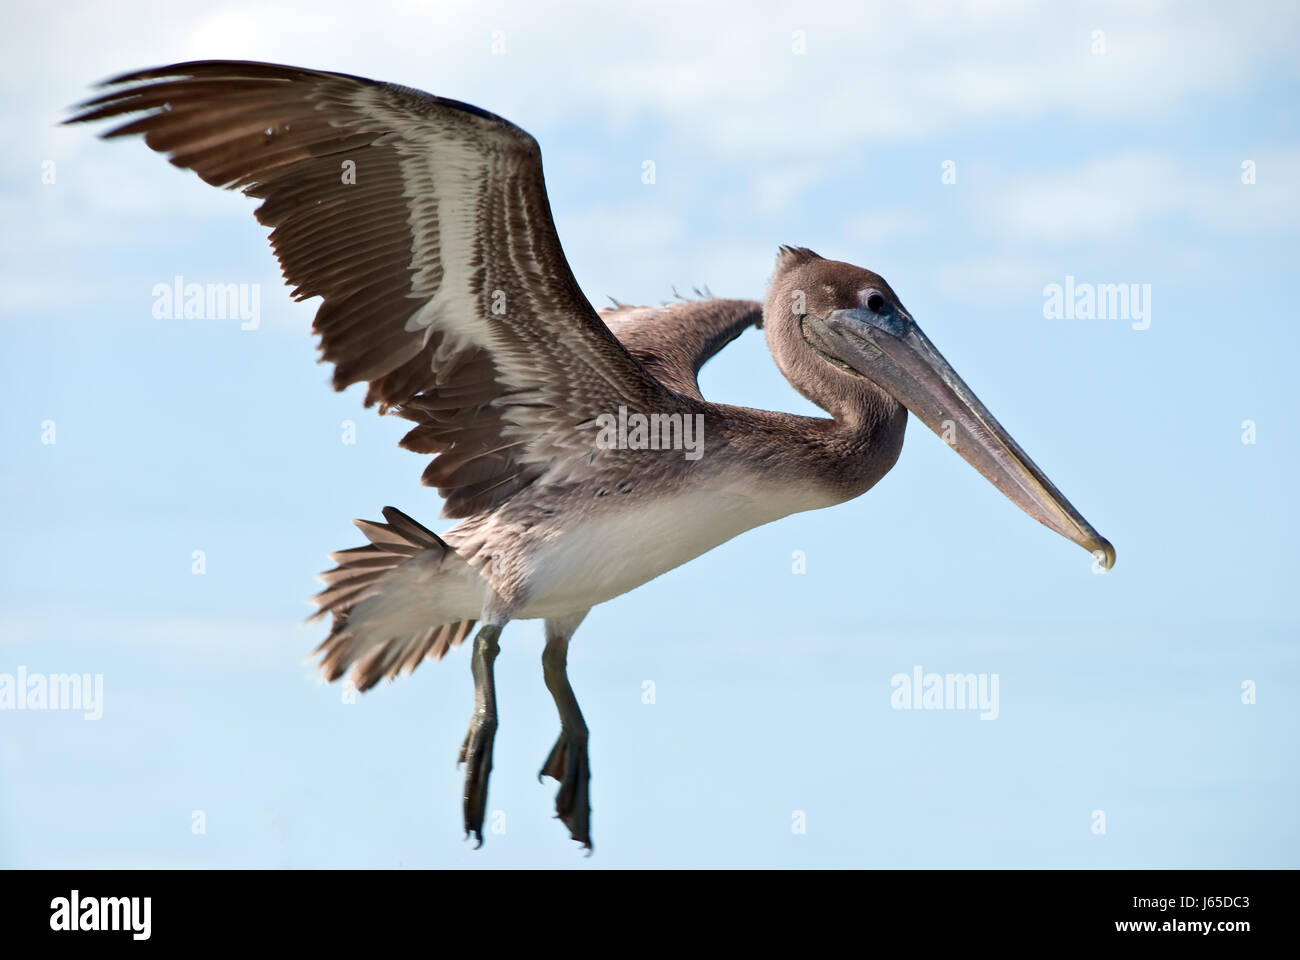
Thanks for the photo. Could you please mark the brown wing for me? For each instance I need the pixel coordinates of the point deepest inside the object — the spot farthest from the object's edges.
(423, 224)
(675, 340)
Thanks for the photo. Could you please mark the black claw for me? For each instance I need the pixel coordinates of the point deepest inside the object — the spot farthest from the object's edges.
(476, 755)
(567, 764)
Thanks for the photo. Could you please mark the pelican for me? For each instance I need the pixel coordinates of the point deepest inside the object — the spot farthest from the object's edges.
(424, 226)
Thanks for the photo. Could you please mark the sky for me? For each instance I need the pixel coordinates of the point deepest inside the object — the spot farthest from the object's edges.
(745, 709)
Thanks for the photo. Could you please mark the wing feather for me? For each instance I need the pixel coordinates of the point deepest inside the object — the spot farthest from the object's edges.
(675, 340)
(424, 226)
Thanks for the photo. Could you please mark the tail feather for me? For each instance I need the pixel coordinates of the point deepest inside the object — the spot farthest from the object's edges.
(383, 598)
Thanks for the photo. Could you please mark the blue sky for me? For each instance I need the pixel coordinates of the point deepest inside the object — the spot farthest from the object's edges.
(1119, 693)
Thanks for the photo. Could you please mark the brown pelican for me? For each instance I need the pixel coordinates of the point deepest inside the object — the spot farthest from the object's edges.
(423, 225)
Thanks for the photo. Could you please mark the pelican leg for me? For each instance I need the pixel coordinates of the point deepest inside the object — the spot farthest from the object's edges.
(568, 760)
(476, 751)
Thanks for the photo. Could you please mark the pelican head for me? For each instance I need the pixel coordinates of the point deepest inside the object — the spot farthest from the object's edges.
(849, 321)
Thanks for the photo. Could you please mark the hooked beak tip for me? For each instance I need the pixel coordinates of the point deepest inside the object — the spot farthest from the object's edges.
(1103, 552)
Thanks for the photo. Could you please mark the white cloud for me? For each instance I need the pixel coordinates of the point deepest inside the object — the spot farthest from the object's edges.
(779, 188)
(1116, 195)
(881, 226)
(723, 74)
(718, 84)
(996, 276)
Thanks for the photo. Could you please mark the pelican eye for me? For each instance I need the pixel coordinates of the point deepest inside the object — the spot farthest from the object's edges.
(874, 301)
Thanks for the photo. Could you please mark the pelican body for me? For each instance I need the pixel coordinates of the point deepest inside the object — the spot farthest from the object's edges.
(423, 225)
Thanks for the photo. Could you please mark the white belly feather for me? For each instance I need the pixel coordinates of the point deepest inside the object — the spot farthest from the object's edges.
(620, 549)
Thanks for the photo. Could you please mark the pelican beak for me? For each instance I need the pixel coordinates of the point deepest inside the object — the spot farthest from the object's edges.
(889, 349)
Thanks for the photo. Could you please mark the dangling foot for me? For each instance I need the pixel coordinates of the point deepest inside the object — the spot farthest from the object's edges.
(476, 751)
(476, 754)
(568, 764)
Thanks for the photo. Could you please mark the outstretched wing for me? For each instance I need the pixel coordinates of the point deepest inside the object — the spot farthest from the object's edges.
(675, 340)
(423, 224)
